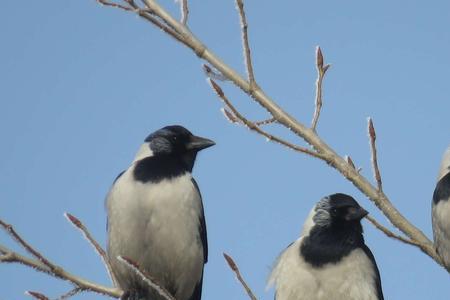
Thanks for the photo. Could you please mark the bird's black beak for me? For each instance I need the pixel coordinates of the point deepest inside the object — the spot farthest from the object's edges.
(356, 214)
(198, 143)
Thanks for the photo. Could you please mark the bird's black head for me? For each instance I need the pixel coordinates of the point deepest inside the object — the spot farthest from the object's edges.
(167, 153)
(333, 230)
(176, 140)
(338, 210)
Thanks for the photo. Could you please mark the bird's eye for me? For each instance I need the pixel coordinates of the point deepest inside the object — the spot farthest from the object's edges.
(352, 210)
(334, 211)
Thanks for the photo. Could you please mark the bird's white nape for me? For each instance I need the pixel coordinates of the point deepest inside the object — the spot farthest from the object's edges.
(309, 223)
(143, 152)
(445, 164)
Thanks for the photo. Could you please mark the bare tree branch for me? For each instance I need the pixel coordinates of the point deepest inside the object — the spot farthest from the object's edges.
(114, 4)
(321, 70)
(376, 170)
(10, 230)
(8, 256)
(390, 233)
(235, 269)
(70, 293)
(252, 126)
(79, 225)
(42, 264)
(245, 44)
(145, 277)
(145, 14)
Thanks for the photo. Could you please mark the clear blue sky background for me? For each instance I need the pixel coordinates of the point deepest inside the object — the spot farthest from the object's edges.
(82, 86)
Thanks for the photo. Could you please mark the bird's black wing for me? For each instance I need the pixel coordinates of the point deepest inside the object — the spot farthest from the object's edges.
(442, 190)
(202, 223)
(377, 272)
(118, 176)
(197, 294)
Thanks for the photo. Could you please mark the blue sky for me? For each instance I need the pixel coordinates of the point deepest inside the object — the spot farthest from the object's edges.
(82, 86)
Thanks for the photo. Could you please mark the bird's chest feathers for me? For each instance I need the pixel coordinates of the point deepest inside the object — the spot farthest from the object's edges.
(352, 276)
(169, 208)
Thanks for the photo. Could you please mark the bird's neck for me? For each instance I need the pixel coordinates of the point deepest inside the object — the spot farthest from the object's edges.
(330, 244)
(157, 168)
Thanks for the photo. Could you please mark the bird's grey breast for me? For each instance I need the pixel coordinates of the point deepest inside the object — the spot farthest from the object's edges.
(157, 225)
(353, 278)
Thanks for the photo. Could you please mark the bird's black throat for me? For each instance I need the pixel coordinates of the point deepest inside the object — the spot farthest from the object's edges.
(331, 243)
(157, 168)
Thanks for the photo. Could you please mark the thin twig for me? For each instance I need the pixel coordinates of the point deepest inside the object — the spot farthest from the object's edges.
(36, 295)
(256, 128)
(184, 11)
(10, 230)
(9, 256)
(44, 265)
(80, 226)
(390, 233)
(70, 293)
(114, 4)
(321, 70)
(376, 170)
(245, 44)
(235, 269)
(145, 277)
(265, 122)
(145, 14)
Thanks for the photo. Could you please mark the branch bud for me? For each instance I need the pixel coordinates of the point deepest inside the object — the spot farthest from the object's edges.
(319, 59)
(36, 295)
(216, 88)
(230, 262)
(372, 129)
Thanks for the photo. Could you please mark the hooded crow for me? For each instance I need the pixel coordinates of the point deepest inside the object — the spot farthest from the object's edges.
(156, 219)
(330, 259)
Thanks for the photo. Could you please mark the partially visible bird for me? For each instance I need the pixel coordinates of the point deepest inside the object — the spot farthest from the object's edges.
(156, 219)
(440, 211)
(330, 260)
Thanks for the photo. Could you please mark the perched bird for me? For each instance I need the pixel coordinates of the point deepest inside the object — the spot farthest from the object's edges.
(330, 259)
(440, 211)
(156, 219)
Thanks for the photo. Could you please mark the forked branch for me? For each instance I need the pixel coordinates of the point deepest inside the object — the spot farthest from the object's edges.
(42, 264)
(235, 116)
